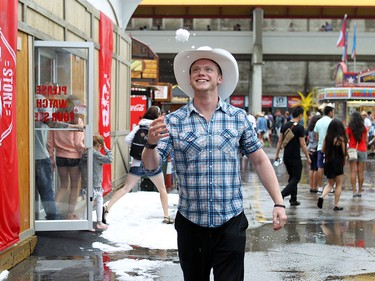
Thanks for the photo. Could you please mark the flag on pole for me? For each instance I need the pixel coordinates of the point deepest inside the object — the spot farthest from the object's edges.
(344, 57)
(341, 40)
(354, 50)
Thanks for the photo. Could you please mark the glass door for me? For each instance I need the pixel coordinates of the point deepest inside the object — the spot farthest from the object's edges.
(63, 118)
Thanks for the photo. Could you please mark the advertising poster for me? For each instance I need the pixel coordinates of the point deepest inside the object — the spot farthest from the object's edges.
(138, 107)
(105, 69)
(9, 194)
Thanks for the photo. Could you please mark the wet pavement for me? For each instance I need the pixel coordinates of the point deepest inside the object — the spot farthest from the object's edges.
(316, 244)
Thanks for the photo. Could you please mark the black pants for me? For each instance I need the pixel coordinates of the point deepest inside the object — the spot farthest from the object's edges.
(294, 169)
(221, 248)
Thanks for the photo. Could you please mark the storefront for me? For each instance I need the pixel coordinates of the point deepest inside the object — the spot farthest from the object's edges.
(146, 90)
(67, 69)
(353, 91)
(269, 103)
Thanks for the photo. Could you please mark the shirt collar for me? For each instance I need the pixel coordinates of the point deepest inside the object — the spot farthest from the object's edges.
(220, 105)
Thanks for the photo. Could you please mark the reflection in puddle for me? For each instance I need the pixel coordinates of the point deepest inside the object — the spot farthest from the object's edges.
(351, 234)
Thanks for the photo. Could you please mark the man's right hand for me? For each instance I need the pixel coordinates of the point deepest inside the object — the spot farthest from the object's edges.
(158, 130)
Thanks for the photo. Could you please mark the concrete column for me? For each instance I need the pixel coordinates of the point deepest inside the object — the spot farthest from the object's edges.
(255, 96)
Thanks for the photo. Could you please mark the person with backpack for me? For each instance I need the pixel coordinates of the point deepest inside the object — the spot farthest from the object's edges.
(137, 138)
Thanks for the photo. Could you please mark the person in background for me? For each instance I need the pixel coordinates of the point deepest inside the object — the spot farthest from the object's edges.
(366, 120)
(43, 164)
(136, 171)
(208, 137)
(67, 147)
(97, 175)
(279, 122)
(358, 138)
(292, 155)
(328, 27)
(335, 150)
(312, 148)
(270, 124)
(321, 129)
(287, 116)
(262, 128)
(252, 120)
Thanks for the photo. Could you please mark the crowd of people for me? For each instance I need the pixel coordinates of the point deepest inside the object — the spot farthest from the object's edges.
(326, 143)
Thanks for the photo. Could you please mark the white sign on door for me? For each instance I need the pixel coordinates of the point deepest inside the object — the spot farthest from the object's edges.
(280, 101)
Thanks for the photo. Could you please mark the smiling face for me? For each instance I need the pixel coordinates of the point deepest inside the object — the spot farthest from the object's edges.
(205, 76)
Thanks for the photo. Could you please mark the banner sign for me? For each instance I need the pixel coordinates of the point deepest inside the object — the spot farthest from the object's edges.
(9, 194)
(266, 101)
(105, 69)
(292, 101)
(238, 101)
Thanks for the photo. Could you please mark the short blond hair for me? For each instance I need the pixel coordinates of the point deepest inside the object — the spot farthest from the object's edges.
(98, 139)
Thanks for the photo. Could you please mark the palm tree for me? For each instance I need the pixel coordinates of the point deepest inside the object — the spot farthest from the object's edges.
(306, 102)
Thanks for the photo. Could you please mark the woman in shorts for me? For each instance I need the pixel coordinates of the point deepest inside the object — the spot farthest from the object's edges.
(358, 139)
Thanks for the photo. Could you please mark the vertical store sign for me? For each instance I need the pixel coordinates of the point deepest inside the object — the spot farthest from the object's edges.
(105, 69)
(9, 195)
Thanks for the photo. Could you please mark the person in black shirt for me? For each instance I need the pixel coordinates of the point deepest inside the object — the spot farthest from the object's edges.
(292, 155)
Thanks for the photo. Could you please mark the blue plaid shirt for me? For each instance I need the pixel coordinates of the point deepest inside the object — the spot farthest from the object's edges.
(207, 160)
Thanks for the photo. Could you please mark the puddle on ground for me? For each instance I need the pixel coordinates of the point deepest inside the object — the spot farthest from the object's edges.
(338, 233)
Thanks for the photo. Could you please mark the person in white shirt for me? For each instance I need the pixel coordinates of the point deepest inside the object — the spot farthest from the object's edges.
(252, 120)
(366, 120)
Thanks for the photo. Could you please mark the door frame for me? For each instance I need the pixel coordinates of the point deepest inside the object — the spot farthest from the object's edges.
(79, 224)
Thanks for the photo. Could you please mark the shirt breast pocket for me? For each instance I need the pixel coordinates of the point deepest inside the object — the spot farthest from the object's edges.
(228, 141)
(191, 144)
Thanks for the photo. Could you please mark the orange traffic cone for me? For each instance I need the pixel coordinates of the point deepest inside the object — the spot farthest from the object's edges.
(168, 174)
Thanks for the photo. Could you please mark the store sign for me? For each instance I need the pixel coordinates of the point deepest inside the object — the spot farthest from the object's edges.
(9, 185)
(266, 101)
(280, 101)
(337, 93)
(161, 93)
(366, 78)
(238, 101)
(363, 93)
(293, 101)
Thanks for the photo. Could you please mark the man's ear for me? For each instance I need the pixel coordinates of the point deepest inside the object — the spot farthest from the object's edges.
(220, 80)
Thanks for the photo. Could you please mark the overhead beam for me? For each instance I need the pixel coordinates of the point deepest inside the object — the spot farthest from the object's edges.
(245, 11)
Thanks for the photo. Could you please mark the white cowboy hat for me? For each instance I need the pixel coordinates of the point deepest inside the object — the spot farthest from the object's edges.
(223, 58)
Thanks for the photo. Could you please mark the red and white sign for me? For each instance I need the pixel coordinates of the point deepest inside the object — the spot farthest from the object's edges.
(9, 195)
(292, 101)
(266, 101)
(138, 107)
(161, 93)
(238, 101)
(105, 71)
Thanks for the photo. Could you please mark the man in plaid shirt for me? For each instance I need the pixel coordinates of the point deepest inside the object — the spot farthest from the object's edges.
(208, 137)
